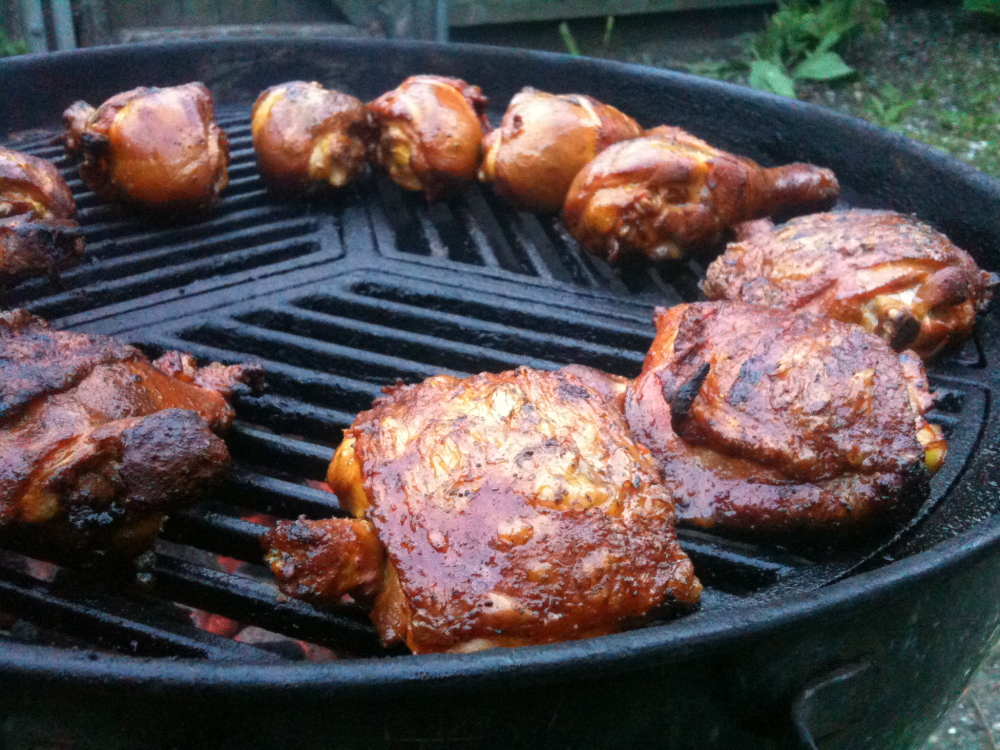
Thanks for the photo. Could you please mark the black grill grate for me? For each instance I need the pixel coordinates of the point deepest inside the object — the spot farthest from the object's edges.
(337, 298)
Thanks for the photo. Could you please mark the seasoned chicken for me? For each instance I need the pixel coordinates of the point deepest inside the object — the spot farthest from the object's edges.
(97, 442)
(307, 136)
(429, 133)
(771, 422)
(891, 274)
(30, 247)
(669, 193)
(495, 510)
(542, 143)
(29, 185)
(156, 149)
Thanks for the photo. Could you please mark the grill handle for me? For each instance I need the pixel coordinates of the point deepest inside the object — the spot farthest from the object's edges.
(832, 702)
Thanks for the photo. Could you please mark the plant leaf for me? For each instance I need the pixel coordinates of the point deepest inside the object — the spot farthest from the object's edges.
(825, 66)
(828, 42)
(769, 76)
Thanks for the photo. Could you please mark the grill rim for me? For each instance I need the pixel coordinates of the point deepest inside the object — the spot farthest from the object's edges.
(631, 650)
(620, 652)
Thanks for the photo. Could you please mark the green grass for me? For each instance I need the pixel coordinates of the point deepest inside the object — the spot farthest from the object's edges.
(954, 105)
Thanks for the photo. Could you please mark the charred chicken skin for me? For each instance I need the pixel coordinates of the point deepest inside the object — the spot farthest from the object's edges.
(30, 247)
(774, 422)
(156, 149)
(495, 510)
(38, 231)
(307, 136)
(29, 185)
(97, 442)
(542, 143)
(429, 133)
(669, 193)
(891, 274)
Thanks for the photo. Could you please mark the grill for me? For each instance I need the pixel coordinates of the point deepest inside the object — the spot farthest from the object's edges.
(339, 297)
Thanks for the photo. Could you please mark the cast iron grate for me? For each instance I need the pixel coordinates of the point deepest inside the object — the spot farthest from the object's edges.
(337, 298)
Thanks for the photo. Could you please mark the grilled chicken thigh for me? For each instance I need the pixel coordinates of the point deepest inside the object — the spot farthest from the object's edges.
(307, 136)
(889, 273)
(495, 510)
(429, 133)
(156, 149)
(669, 193)
(29, 185)
(542, 143)
(97, 442)
(768, 421)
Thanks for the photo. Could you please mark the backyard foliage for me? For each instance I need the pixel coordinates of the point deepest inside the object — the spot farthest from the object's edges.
(10, 47)
(991, 7)
(801, 39)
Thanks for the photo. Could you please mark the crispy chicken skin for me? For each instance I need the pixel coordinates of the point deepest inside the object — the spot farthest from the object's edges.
(97, 442)
(32, 185)
(30, 247)
(307, 136)
(542, 143)
(513, 509)
(429, 133)
(775, 422)
(38, 230)
(156, 149)
(668, 193)
(889, 273)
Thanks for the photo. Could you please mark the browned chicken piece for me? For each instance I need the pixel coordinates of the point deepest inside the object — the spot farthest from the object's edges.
(307, 136)
(97, 442)
(429, 133)
(771, 423)
(668, 193)
(37, 248)
(542, 143)
(891, 274)
(495, 510)
(156, 149)
(29, 185)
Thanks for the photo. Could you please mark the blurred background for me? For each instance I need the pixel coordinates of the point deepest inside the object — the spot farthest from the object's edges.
(928, 69)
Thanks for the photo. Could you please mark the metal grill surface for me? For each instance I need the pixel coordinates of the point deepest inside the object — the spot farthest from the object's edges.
(337, 298)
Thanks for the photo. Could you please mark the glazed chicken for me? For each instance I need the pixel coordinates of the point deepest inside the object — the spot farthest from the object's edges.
(668, 193)
(155, 149)
(29, 185)
(542, 143)
(307, 136)
(30, 247)
(97, 442)
(429, 133)
(38, 230)
(495, 510)
(891, 274)
(773, 423)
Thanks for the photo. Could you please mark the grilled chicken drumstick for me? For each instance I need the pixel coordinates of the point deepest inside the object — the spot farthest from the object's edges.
(769, 421)
(38, 230)
(156, 149)
(32, 185)
(30, 247)
(889, 273)
(429, 133)
(668, 193)
(542, 143)
(495, 510)
(307, 136)
(97, 442)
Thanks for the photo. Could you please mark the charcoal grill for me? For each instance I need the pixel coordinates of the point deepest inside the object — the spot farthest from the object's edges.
(338, 297)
